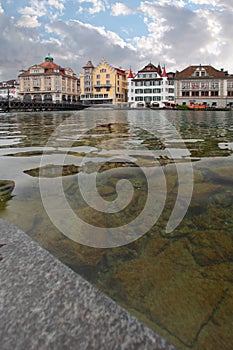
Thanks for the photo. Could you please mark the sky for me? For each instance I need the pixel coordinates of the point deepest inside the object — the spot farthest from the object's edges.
(129, 34)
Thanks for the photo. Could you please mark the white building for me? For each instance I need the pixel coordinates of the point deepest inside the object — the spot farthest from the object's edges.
(9, 90)
(150, 87)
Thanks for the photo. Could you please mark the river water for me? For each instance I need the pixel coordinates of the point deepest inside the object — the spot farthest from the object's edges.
(139, 202)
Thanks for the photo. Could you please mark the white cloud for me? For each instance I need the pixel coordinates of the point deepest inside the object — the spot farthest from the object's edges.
(120, 9)
(205, 2)
(97, 5)
(1, 9)
(37, 9)
(58, 4)
(32, 11)
(28, 21)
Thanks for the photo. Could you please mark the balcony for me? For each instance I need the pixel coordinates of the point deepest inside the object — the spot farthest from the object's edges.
(102, 85)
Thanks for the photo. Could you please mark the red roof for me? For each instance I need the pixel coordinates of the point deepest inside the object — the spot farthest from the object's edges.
(130, 74)
(49, 65)
(164, 72)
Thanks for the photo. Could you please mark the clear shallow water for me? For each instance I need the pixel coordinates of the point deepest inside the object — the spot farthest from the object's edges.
(179, 282)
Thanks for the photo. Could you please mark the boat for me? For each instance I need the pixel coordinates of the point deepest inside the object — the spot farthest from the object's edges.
(170, 105)
(197, 106)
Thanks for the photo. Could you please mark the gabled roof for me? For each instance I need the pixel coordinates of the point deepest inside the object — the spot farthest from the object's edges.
(211, 72)
(149, 68)
(89, 64)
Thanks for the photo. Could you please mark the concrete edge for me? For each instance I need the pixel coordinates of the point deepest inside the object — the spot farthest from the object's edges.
(45, 305)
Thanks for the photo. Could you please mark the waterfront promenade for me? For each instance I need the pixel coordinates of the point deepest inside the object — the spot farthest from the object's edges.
(17, 106)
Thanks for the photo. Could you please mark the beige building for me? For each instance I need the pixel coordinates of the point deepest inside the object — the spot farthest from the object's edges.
(48, 82)
(204, 85)
(103, 84)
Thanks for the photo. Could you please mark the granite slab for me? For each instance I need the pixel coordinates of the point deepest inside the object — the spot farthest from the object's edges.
(45, 305)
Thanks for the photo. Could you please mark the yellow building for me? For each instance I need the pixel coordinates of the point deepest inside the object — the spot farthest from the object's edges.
(48, 82)
(103, 84)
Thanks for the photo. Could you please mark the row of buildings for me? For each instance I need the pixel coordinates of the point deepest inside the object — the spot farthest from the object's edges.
(152, 86)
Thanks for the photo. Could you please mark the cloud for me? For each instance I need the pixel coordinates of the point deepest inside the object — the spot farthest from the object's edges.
(120, 9)
(176, 33)
(97, 5)
(182, 36)
(37, 9)
(28, 21)
(82, 41)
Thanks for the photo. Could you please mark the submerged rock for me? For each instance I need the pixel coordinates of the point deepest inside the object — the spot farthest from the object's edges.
(52, 170)
(6, 188)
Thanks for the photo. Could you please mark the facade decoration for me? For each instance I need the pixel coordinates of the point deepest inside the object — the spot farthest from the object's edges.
(48, 82)
(103, 84)
(204, 85)
(150, 87)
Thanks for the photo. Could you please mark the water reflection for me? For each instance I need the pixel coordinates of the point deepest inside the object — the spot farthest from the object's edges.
(179, 283)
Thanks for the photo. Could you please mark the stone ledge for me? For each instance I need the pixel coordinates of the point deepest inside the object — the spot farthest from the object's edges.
(45, 305)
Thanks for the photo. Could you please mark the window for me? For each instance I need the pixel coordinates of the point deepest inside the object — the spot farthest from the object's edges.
(156, 82)
(214, 93)
(98, 82)
(185, 86)
(214, 85)
(98, 76)
(107, 75)
(185, 93)
(204, 93)
(103, 70)
(148, 91)
(98, 89)
(108, 82)
(197, 74)
(195, 93)
(204, 86)
(202, 73)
